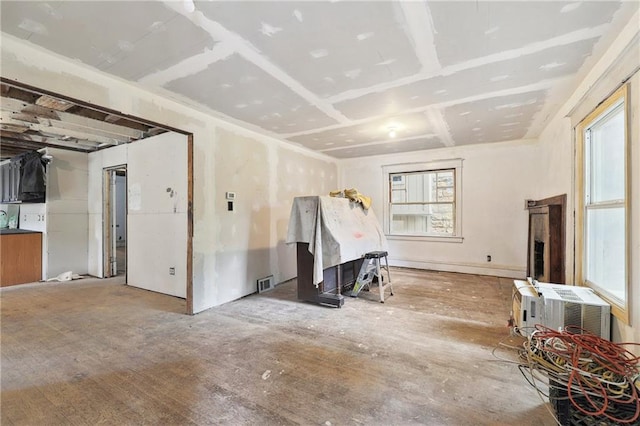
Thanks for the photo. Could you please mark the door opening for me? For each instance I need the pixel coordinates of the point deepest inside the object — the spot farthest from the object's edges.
(115, 221)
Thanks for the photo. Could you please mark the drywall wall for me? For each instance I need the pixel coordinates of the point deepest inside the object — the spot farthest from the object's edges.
(618, 64)
(295, 175)
(214, 282)
(66, 209)
(496, 180)
(156, 211)
(157, 214)
(265, 178)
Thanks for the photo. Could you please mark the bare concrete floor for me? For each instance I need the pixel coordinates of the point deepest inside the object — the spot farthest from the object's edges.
(95, 351)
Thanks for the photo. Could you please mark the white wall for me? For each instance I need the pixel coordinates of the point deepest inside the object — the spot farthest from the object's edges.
(496, 180)
(157, 211)
(157, 214)
(557, 150)
(66, 207)
(265, 179)
(215, 280)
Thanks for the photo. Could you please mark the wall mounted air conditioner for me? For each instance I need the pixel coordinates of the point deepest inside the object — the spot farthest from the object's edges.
(557, 306)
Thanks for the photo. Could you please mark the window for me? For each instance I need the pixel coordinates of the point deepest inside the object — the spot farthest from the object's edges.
(422, 200)
(603, 202)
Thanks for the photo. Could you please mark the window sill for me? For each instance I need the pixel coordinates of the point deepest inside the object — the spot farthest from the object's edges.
(619, 309)
(425, 238)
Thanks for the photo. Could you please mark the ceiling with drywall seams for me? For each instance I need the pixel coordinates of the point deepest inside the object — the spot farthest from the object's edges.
(337, 77)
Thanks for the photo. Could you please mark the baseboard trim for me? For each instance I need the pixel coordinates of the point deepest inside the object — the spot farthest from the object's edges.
(508, 271)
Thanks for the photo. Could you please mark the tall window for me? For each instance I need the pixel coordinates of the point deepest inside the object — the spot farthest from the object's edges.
(423, 199)
(603, 200)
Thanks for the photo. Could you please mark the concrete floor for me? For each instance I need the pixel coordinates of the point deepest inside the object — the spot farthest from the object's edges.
(96, 351)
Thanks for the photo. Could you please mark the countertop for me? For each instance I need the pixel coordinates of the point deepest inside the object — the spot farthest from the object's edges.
(7, 231)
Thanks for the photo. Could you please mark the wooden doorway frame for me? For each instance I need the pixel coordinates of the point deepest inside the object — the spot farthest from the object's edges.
(189, 254)
(109, 219)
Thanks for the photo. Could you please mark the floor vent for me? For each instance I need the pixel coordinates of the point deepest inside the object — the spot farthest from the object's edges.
(265, 284)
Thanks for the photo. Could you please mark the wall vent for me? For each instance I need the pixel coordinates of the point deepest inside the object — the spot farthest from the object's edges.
(265, 284)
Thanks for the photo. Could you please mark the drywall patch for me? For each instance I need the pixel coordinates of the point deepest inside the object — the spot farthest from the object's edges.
(570, 7)
(551, 65)
(33, 27)
(125, 45)
(387, 62)
(135, 197)
(269, 30)
(353, 74)
(318, 53)
(491, 30)
(364, 36)
(420, 31)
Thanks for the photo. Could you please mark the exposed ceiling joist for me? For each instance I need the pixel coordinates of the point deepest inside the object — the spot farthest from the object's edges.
(12, 146)
(100, 127)
(53, 103)
(30, 120)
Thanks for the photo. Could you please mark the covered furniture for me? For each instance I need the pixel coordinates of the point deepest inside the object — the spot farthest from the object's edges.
(332, 236)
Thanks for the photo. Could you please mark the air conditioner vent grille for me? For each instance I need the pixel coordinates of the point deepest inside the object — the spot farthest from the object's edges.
(568, 294)
(265, 284)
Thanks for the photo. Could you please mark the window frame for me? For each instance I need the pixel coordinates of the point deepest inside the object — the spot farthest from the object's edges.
(619, 310)
(424, 167)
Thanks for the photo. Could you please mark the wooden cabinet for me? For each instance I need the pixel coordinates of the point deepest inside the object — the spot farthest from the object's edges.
(20, 257)
(547, 240)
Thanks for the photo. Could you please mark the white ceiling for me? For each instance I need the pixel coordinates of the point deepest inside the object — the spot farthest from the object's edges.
(337, 76)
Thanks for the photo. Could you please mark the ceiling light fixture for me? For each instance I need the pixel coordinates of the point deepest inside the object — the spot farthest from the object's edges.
(392, 132)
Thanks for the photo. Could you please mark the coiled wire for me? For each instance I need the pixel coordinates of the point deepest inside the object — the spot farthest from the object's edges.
(600, 378)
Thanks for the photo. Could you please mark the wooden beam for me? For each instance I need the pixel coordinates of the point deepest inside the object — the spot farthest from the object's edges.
(88, 138)
(16, 106)
(14, 128)
(53, 103)
(123, 134)
(190, 224)
(37, 144)
(92, 134)
(99, 126)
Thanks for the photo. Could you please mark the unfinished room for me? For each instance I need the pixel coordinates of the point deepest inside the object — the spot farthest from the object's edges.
(320, 212)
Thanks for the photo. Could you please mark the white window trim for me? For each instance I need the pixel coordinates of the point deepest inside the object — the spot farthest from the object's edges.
(455, 164)
(618, 309)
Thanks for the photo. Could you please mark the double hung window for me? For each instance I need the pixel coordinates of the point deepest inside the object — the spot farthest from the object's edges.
(603, 201)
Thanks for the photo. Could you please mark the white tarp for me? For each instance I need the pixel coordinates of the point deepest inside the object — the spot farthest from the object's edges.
(337, 230)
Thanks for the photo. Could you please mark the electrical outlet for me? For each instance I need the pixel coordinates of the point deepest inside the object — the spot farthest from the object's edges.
(172, 271)
(488, 258)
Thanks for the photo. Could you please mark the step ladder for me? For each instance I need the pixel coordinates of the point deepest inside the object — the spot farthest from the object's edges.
(370, 269)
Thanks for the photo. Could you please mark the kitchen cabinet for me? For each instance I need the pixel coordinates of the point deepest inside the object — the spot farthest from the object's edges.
(20, 257)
